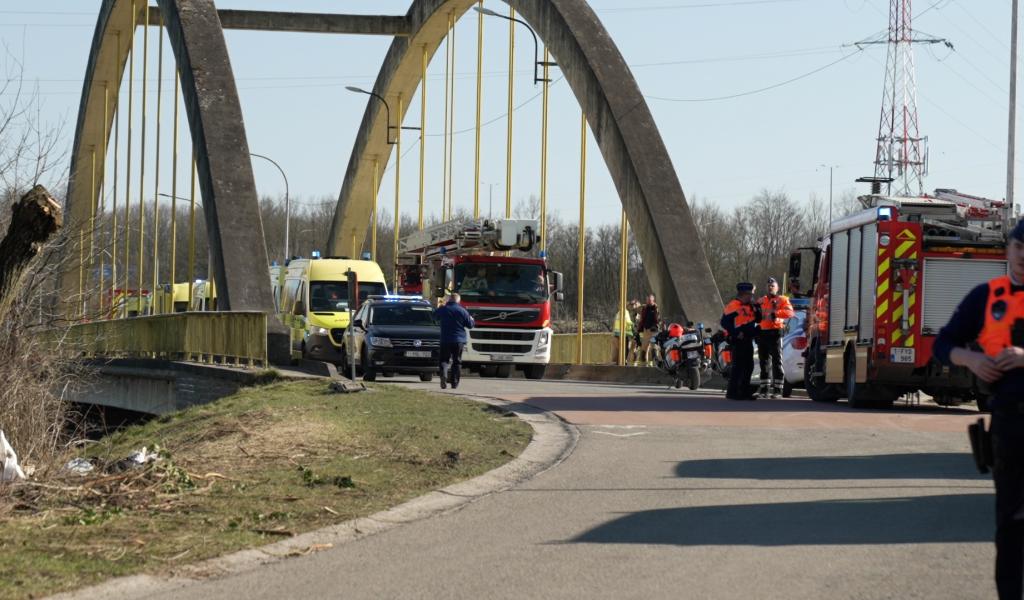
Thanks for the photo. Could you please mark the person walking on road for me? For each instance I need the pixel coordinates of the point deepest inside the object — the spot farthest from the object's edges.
(455, 320)
(649, 321)
(992, 315)
(775, 310)
(739, 320)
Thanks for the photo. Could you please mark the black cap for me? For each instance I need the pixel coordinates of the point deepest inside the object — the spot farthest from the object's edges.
(1018, 231)
(744, 287)
(772, 280)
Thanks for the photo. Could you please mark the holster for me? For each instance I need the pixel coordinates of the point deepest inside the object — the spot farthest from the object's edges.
(981, 445)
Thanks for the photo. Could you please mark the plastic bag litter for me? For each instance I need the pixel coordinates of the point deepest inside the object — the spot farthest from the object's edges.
(135, 460)
(9, 461)
(80, 466)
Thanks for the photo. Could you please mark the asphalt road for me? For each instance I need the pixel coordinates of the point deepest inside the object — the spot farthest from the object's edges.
(674, 494)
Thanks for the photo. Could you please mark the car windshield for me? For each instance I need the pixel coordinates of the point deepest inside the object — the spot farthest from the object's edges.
(511, 283)
(332, 296)
(402, 314)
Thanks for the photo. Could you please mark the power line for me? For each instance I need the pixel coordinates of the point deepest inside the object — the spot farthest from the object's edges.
(759, 90)
(695, 5)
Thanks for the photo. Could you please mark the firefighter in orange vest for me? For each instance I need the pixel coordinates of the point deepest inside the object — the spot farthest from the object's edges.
(775, 309)
(739, 320)
(992, 316)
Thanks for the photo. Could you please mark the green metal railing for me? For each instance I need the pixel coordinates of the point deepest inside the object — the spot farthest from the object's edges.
(238, 338)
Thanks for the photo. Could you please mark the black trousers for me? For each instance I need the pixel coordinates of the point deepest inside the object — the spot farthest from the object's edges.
(742, 368)
(1008, 475)
(769, 354)
(451, 360)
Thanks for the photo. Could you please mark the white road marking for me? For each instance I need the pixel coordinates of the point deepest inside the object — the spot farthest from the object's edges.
(623, 435)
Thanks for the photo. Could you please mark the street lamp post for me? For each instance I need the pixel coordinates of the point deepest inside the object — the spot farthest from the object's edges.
(537, 63)
(830, 168)
(287, 204)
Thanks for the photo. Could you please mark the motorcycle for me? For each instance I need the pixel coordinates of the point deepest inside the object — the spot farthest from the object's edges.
(722, 362)
(686, 354)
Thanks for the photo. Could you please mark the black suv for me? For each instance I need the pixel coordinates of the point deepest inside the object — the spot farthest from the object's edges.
(394, 334)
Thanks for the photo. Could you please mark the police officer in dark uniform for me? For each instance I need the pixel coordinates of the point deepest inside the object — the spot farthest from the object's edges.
(739, 320)
(992, 317)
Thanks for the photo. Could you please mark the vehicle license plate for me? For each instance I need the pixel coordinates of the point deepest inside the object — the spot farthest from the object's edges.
(418, 353)
(901, 355)
(501, 358)
(692, 354)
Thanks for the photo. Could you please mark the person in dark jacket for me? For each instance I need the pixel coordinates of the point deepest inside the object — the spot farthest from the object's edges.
(739, 320)
(986, 335)
(650, 319)
(454, 320)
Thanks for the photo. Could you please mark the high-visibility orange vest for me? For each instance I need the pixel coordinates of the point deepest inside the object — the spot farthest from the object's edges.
(1003, 309)
(782, 307)
(744, 312)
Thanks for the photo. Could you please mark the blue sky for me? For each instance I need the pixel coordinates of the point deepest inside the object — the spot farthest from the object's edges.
(298, 112)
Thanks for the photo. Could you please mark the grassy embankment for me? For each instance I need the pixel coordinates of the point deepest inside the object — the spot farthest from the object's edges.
(266, 463)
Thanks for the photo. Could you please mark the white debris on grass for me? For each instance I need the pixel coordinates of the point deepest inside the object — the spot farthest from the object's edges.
(10, 471)
(79, 466)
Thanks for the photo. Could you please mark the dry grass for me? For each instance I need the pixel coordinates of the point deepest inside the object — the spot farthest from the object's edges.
(268, 462)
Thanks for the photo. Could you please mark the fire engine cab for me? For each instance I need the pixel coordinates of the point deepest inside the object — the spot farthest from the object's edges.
(508, 296)
(884, 281)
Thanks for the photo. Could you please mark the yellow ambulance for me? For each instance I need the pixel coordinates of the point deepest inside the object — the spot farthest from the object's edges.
(313, 302)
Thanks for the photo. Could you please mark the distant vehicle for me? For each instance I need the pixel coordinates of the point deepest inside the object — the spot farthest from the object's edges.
(394, 334)
(312, 299)
(794, 344)
(204, 295)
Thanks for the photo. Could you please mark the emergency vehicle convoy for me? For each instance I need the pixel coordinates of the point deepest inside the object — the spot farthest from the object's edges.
(883, 283)
(508, 296)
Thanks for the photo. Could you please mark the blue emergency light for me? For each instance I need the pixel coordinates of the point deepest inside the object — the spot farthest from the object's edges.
(314, 254)
(366, 256)
(884, 213)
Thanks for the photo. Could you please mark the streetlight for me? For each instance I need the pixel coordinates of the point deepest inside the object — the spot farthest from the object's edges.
(829, 167)
(287, 203)
(490, 198)
(536, 46)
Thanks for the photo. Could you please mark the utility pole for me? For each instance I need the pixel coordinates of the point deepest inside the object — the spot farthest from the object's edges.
(1011, 135)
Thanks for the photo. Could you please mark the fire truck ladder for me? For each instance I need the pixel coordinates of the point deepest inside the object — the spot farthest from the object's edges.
(466, 236)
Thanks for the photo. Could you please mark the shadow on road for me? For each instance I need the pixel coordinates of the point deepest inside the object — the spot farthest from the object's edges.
(650, 400)
(927, 465)
(918, 520)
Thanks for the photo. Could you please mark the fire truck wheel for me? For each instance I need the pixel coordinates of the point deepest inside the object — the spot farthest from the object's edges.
(488, 370)
(535, 371)
(787, 389)
(504, 371)
(817, 390)
(863, 395)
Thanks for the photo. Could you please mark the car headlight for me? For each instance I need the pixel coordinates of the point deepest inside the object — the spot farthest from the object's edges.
(380, 341)
(543, 339)
(319, 331)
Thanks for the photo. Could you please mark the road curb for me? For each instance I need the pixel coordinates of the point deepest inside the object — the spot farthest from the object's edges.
(553, 441)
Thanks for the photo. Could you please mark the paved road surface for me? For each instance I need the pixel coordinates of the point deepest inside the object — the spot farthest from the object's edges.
(674, 494)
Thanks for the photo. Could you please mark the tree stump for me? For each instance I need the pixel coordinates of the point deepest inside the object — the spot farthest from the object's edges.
(36, 217)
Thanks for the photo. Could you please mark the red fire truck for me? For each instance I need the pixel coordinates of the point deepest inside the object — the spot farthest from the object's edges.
(508, 296)
(883, 282)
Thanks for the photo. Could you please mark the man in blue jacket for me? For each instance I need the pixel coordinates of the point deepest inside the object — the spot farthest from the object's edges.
(454, 320)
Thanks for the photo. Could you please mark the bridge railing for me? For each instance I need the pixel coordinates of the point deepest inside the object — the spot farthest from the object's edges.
(226, 337)
(598, 348)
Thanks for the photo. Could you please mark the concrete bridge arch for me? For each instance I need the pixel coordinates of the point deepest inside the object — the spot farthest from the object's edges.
(619, 118)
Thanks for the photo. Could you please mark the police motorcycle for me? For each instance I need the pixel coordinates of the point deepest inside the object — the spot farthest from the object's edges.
(685, 354)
